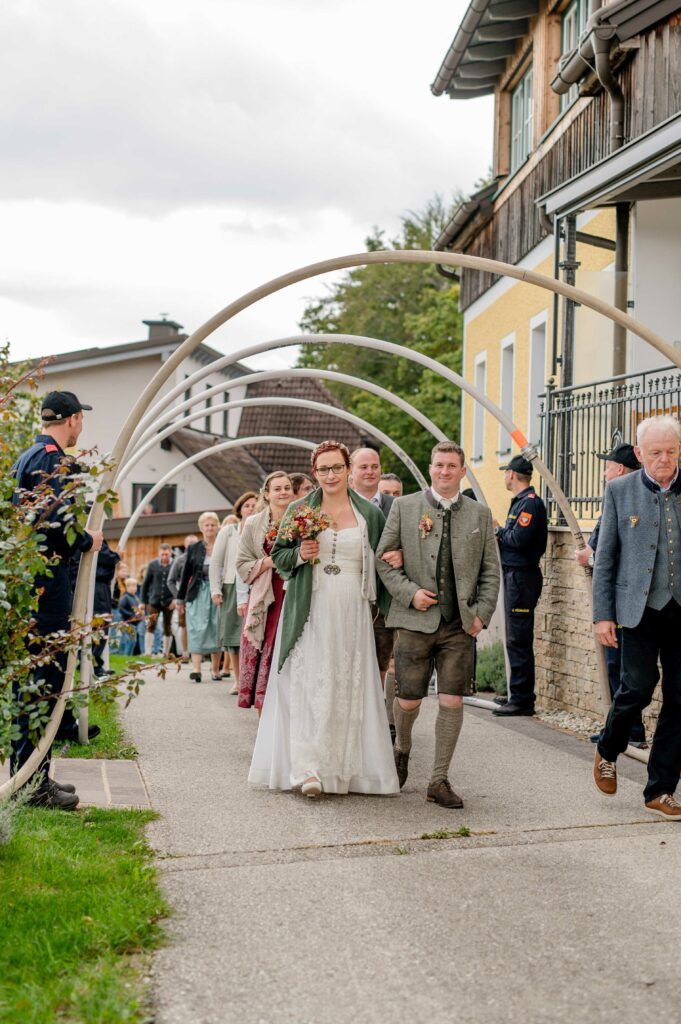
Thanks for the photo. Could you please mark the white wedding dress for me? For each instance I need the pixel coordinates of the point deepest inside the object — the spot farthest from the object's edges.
(324, 713)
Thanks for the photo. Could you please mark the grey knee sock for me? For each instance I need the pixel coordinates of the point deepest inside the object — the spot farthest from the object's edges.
(390, 696)
(447, 728)
(404, 721)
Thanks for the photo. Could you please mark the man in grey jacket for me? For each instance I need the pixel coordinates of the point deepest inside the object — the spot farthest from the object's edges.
(444, 594)
(637, 584)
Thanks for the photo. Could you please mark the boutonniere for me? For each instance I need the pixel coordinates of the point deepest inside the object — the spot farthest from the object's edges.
(425, 525)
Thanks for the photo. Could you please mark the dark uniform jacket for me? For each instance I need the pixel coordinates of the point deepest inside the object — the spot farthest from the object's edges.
(522, 541)
(30, 470)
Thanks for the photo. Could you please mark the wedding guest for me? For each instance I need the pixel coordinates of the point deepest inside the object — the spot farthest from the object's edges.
(637, 586)
(174, 577)
(443, 596)
(158, 599)
(323, 725)
(222, 577)
(194, 594)
(365, 467)
(619, 462)
(391, 485)
(130, 614)
(255, 567)
(302, 485)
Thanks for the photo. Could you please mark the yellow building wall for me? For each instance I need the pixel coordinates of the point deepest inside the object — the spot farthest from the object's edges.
(512, 313)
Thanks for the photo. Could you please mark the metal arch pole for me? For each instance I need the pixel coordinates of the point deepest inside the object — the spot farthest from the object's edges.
(235, 442)
(277, 284)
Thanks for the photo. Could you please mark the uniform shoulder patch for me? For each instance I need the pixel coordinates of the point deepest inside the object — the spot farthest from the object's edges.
(51, 448)
(525, 518)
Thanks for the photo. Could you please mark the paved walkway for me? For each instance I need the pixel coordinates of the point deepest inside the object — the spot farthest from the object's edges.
(99, 783)
(561, 905)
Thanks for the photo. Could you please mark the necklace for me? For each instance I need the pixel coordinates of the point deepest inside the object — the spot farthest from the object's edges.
(331, 569)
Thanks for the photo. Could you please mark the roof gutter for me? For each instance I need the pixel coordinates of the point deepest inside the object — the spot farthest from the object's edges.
(462, 39)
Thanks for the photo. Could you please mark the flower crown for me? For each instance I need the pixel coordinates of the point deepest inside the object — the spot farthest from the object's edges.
(330, 446)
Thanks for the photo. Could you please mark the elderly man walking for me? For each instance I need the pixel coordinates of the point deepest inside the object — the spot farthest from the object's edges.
(444, 594)
(637, 583)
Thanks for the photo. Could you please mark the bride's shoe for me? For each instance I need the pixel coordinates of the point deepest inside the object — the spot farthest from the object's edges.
(311, 787)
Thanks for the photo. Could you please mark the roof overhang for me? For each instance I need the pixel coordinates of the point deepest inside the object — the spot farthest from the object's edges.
(487, 36)
(478, 208)
(647, 168)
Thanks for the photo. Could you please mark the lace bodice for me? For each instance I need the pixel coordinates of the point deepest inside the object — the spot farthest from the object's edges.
(348, 555)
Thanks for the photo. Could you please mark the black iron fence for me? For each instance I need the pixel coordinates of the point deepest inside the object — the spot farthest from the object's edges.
(581, 422)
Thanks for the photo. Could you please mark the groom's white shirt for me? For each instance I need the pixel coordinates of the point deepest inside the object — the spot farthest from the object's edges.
(445, 502)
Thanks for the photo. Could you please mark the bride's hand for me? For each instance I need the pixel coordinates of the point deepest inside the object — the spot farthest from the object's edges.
(309, 549)
(394, 559)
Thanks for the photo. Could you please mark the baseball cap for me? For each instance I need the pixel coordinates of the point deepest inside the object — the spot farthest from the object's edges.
(624, 454)
(59, 405)
(519, 464)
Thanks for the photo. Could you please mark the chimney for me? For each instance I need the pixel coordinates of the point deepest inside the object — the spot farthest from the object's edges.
(162, 329)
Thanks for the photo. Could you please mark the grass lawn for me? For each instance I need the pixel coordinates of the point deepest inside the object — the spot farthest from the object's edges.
(111, 742)
(79, 914)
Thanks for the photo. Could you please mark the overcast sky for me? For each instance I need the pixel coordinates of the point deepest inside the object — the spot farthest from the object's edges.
(165, 156)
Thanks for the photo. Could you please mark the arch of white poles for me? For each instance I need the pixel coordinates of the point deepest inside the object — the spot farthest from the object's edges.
(268, 401)
(150, 437)
(171, 413)
(277, 284)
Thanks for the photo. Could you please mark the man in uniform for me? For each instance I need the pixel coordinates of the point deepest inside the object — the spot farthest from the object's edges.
(522, 542)
(62, 417)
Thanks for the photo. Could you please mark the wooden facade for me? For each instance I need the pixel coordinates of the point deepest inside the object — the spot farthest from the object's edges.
(650, 80)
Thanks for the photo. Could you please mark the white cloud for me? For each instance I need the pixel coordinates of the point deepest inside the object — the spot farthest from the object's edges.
(167, 156)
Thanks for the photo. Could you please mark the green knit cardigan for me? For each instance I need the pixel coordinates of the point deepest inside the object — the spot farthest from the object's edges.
(296, 609)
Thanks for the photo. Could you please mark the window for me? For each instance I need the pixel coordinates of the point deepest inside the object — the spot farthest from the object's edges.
(572, 27)
(165, 500)
(537, 378)
(507, 372)
(187, 396)
(209, 402)
(225, 415)
(521, 121)
(479, 411)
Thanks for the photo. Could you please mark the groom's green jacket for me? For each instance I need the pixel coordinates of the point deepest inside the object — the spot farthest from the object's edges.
(296, 610)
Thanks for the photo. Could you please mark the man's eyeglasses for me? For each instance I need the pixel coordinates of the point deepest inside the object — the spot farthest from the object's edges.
(325, 470)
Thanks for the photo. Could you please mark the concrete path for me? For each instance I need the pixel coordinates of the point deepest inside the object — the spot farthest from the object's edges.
(99, 782)
(561, 905)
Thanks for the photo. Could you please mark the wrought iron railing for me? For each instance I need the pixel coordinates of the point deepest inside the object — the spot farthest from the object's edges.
(581, 422)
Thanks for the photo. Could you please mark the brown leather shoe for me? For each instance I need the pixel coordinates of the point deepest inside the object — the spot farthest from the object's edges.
(401, 765)
(605, 775)
(665, 806)
(442, 793)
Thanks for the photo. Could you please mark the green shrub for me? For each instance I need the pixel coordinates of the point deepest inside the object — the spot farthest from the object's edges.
(490, 669)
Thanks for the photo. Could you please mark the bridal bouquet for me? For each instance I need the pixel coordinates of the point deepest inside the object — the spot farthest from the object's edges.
(304, 523)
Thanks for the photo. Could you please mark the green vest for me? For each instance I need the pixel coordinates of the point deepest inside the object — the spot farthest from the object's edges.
(446, 581)
(296, 610)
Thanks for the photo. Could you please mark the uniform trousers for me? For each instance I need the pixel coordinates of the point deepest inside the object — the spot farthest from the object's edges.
(522, 590)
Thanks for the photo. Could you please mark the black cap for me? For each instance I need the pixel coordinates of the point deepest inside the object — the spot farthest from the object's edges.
(59, 405)
(519, 464)
(624, 454)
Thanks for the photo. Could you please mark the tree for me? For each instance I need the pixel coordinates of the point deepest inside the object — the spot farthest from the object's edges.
(410, 305)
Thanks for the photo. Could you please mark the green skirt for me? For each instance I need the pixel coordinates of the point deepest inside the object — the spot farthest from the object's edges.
(202, 623)
(230, 621)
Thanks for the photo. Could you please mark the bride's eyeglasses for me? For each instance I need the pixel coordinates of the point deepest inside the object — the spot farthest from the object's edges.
(336, 470)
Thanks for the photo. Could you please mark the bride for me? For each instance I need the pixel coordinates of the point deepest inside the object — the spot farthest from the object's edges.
(323, 724)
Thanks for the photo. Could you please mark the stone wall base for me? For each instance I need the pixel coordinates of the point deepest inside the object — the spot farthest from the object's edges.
(567, 678)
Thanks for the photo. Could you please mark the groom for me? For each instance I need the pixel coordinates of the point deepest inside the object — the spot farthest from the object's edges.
(444, 594)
